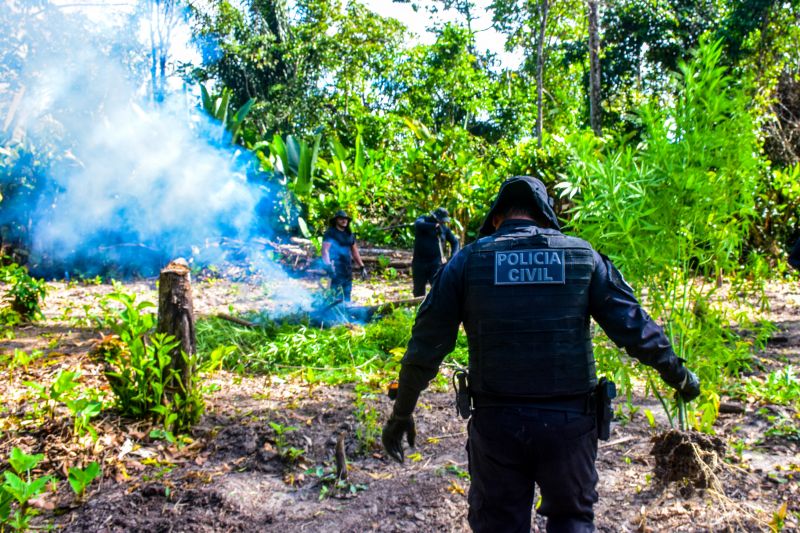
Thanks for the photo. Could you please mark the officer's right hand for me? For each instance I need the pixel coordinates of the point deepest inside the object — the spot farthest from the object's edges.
(329, 269)
(393, 432)
(689, 387)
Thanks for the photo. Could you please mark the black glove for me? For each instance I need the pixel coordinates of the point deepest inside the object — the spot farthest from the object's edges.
(689, 387)
(392, 436)
(364, 273)
(329, 269)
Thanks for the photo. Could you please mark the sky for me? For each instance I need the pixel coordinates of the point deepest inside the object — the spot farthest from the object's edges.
(110, 12)
(486, 37)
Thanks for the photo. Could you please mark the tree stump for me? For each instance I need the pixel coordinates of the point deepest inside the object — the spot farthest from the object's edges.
(176, 316)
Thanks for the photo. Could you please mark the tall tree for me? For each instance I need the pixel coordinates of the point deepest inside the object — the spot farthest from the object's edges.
(551, 36)
(317, 63)
(443, 84)
(595, 110)
(162, 18)
(544, 10)
(644, 42)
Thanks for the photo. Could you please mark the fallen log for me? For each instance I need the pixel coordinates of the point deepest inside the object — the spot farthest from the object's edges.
(237, 320)
(731, 408)
(300, 254)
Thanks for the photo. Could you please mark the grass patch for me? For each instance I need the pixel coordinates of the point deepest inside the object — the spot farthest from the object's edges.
(338, 354)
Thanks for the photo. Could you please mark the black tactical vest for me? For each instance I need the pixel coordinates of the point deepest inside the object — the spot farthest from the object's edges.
(527, 316)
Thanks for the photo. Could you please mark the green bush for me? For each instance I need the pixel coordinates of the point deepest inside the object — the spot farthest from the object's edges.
(657, 211)
(19, 488)
(25, 294)
(138, 366)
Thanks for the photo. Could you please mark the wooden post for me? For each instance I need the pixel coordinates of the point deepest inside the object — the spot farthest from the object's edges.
(176, 314)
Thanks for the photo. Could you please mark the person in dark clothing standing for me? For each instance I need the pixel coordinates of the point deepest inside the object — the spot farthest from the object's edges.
(525, 293)
(430, 234)
(338, 246)
(794, 257)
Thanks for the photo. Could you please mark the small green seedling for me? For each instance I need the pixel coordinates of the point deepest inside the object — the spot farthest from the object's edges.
(22, 490)
(651, 419)
(80, 478)
(280, 436)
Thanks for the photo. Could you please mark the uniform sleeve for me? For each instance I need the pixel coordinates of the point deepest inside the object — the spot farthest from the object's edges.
(794, 257)
(433, 335)
(614, 307)
(453, 240)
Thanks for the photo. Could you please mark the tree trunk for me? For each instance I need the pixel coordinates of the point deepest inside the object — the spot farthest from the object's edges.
(176, 316)
(544, 9)
(595, 109)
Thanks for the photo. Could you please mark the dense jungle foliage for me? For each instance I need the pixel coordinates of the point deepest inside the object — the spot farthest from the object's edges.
(689, 167)
(339, 104)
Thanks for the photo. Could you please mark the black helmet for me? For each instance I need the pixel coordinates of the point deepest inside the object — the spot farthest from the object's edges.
(339, 214)
(527, 189)
(441, 214)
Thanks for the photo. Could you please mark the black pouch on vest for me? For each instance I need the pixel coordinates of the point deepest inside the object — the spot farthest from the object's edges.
(605, 392)
(463, 404)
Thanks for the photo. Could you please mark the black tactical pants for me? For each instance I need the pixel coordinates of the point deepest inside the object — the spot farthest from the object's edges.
(342, 287)
(511, 448)
(423, 273)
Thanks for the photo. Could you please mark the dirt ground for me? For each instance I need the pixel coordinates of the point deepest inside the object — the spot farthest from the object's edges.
(234, 475)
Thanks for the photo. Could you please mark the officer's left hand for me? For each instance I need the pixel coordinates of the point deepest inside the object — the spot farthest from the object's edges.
(364, 273)
(689, 388)
(393, 432)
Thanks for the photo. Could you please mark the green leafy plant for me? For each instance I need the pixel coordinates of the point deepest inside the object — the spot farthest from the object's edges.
(281, 441)
(778, 521)
(455, 470)
(368, 418)
(80, 478)
(383, 262)
(138, 366)
(83, 410)
(25, 294)
(138, 373)
(781, 387)
(21, 358)
(58, 391)
(83, 405)
(220, 107)
(293, 455)
(783, 427)
(332, 484)
(19, 487)
(653, 208)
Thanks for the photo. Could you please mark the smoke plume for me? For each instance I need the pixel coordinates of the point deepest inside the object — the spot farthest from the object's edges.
(102, 175)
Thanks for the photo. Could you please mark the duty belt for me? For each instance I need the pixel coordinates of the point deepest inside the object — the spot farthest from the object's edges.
(582, 403)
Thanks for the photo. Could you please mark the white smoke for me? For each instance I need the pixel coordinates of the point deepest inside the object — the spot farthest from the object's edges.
(156, 180)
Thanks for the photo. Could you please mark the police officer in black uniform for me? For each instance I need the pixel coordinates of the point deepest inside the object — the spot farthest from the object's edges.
(430, 233)
(338, 246)
(525, 293)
